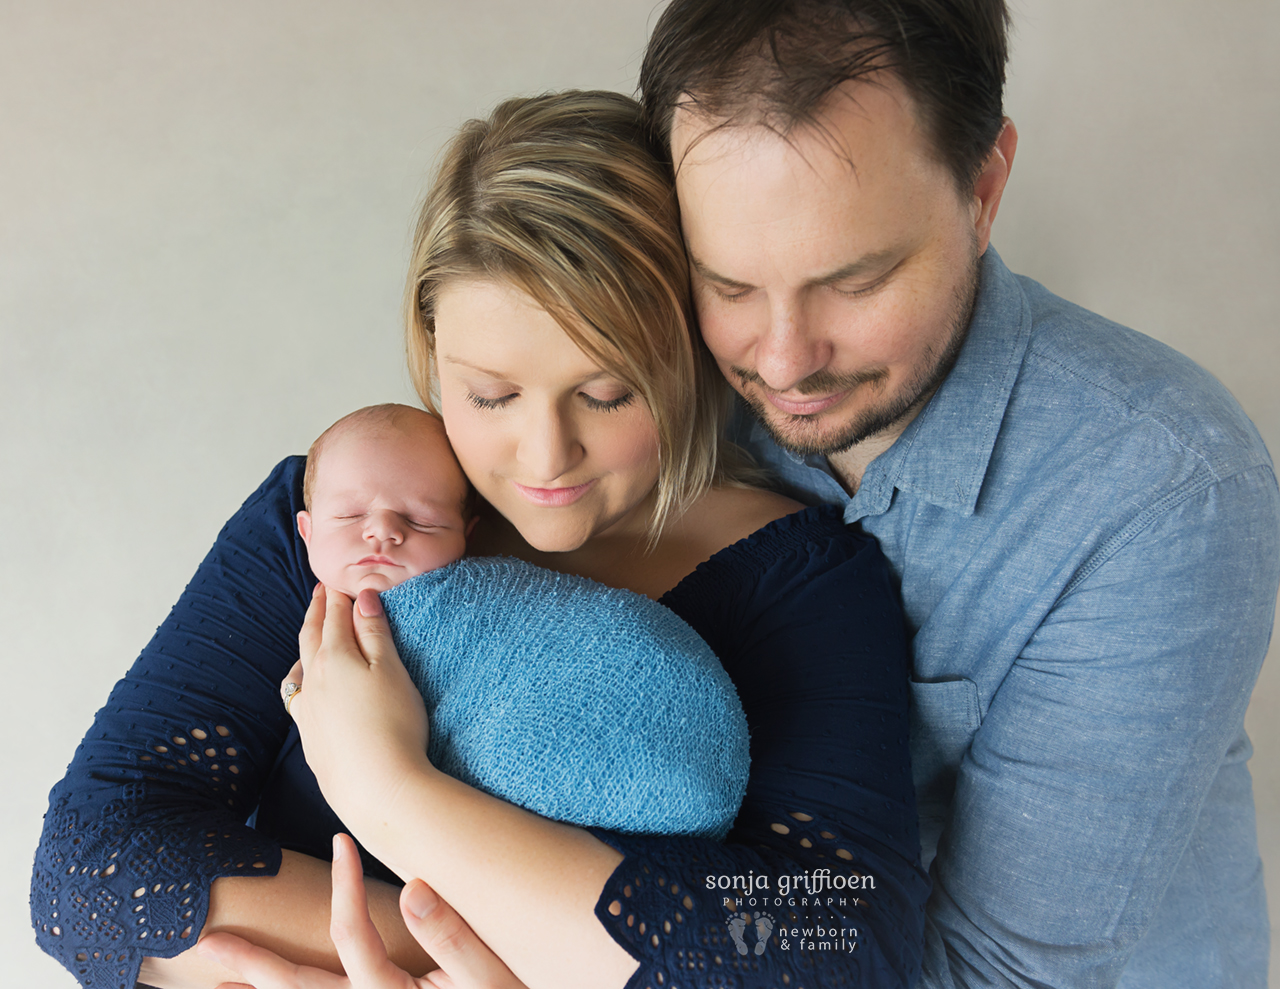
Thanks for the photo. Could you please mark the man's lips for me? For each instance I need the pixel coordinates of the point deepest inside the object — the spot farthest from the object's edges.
(554, 497)
(374, 561)
(804, 406)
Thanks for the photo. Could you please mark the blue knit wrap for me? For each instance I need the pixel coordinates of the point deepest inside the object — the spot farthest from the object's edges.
(580, 702)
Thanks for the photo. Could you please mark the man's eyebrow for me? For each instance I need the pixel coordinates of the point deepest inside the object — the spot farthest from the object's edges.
(706, 272)
(868, 263)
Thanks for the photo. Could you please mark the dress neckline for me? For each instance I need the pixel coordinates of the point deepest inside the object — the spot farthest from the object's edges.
(763, 544)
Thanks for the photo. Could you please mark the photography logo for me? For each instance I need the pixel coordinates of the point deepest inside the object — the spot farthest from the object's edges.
(750, 932)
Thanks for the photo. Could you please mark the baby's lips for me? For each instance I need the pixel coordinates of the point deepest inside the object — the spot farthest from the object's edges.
(377, 561)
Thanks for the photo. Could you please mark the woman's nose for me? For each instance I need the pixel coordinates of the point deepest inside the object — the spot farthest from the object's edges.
(549, 447)
(384, 526)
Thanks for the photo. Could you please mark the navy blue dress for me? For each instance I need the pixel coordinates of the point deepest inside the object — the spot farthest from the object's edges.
(818, 882)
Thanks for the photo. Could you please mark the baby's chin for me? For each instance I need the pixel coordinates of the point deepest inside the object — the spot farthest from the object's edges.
(373, 581)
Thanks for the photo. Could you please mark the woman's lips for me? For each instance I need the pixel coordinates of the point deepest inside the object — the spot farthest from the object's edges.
(806, 406)
(554, 497)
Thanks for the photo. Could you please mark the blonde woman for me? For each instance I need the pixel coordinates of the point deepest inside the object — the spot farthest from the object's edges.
(549, 325)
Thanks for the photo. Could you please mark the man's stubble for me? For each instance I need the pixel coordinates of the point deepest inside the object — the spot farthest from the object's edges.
(880, 416)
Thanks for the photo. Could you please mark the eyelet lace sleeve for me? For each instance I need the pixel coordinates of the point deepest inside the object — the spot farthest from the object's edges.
(819, 882)
(153, 805)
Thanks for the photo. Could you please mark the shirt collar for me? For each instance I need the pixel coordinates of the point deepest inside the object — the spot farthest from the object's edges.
(942, 456)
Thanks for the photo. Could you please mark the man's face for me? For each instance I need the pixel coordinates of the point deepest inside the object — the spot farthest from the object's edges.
(834, 270)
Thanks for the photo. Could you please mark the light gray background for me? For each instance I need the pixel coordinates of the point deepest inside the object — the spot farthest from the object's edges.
(204, 221)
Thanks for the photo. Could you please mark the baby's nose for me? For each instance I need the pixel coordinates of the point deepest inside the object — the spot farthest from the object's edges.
(384, 526)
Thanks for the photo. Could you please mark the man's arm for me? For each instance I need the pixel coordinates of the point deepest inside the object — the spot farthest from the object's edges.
(1085, 781)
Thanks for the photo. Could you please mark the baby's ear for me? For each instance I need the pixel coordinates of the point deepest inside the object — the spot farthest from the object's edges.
(304, 527)
(470, 525)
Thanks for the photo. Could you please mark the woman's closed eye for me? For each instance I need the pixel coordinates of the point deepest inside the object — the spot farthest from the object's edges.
(591, 401)
(480, 402)
(607, 404)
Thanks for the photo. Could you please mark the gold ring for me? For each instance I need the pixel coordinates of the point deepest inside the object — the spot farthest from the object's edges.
(290, 691)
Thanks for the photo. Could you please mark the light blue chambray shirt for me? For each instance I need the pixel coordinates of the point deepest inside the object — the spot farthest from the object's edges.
(1086, 528)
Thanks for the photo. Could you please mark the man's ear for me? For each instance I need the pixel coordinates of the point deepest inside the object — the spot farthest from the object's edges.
(989, 187)
(304, 527)
(471, 526)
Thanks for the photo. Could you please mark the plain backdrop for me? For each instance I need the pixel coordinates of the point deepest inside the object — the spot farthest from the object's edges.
(205, 212)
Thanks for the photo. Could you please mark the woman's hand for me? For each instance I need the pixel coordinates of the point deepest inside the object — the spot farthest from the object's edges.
(465, 961)
(364, 733)
(362, 721)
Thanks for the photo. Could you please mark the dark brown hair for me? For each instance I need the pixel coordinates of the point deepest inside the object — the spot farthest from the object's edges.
(773, 62)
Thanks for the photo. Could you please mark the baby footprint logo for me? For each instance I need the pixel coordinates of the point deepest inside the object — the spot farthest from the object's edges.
(763, 925)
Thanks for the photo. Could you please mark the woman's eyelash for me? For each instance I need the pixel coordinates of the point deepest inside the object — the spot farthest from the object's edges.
(488, 403)
(595, 404)
(611, 405)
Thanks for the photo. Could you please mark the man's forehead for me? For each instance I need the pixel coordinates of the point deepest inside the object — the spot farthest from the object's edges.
(878, 104)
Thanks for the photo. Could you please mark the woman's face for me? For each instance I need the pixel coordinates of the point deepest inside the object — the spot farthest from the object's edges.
(558, 445)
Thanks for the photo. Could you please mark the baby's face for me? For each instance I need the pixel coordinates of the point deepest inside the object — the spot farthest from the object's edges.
(386, 505)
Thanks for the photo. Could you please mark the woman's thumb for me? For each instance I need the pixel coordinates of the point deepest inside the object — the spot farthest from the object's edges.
(372, 631)
(369, 604)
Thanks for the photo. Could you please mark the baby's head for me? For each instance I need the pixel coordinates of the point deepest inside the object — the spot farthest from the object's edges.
(385, 500)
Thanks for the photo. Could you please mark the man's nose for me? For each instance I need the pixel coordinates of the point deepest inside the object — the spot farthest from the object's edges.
(549, 447)
(384, 526)
(790, 348)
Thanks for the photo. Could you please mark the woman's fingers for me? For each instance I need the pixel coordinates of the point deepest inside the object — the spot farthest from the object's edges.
(465, 961)
(371, 628)
(291, 686)
(311, 633)
(339, 630)
(263, 969)
(364, 956)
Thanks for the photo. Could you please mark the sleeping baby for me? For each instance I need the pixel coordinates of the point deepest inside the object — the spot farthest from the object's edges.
(540, 687)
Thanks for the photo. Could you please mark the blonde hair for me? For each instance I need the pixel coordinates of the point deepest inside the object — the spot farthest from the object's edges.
(562, 196)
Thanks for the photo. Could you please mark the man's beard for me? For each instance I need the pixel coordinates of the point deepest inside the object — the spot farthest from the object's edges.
(935, 365)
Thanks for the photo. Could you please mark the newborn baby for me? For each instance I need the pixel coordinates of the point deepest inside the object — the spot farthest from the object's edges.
(577, 701)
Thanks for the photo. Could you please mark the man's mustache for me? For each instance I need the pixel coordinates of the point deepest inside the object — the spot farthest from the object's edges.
(822, 382)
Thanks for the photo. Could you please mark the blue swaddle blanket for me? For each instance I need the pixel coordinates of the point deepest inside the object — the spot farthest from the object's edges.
(580, 702)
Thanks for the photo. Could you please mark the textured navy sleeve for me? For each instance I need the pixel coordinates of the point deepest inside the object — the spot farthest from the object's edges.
(819, 882)
(153, 805)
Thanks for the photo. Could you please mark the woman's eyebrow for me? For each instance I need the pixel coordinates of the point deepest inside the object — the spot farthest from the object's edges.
(501, 376)
(445, 358)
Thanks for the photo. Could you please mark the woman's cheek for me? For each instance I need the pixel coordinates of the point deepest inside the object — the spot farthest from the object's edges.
(475, 440)
(631, 448)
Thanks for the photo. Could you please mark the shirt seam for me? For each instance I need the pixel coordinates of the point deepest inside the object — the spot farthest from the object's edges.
(1148, 516)
(1143, 413)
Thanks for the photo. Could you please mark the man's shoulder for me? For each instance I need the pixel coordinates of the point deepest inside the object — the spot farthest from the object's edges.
(1084, 368)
